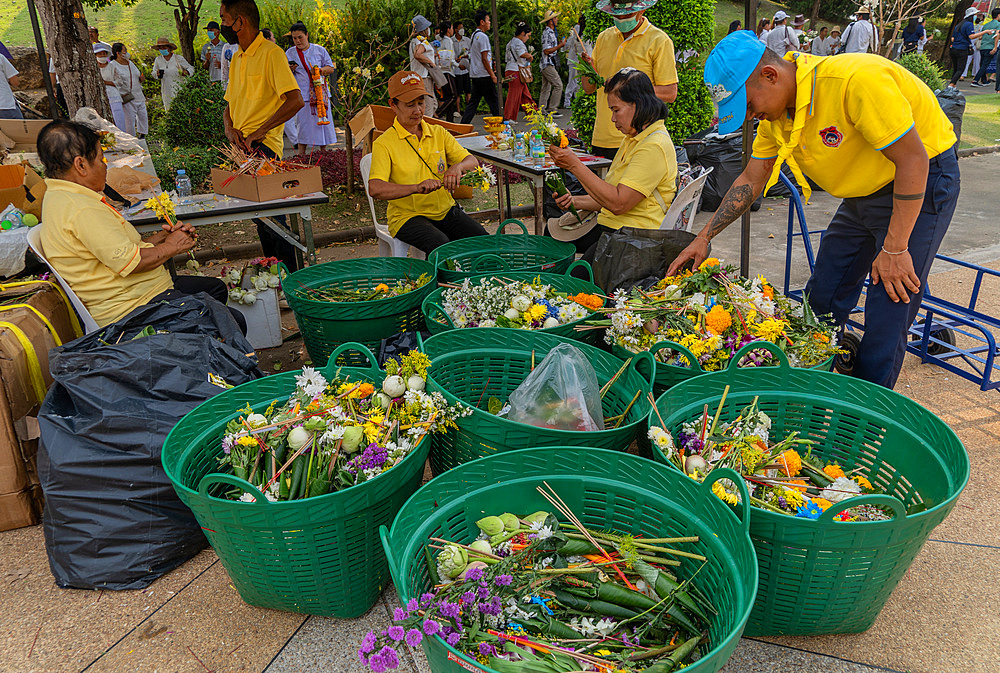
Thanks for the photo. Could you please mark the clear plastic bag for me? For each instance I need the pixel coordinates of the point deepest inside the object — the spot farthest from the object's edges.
(562, 393)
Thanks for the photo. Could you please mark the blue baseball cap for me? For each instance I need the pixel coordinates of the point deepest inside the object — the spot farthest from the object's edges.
(727, 70)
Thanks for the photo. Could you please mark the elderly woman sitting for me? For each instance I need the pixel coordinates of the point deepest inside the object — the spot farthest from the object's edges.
(642, 180)
(415, 167)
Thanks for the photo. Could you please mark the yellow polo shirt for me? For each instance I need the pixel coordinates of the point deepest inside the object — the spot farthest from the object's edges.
(258, 78)
(854, 105)
(96, 251)
(648, 164)
(394, 160)
(648, 50)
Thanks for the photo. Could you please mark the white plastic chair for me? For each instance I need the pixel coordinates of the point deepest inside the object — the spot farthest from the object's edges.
(681, 213)
(35, 243)
(388, 246)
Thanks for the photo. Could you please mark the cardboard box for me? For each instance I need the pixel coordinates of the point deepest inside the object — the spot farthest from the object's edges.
(22, 186)
(24, 132)
(268, 187)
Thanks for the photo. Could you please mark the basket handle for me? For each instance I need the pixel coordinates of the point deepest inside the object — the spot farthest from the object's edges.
(503, 225)
(430, 307)
(283, 271)
(646, 360)
(383, 533)
(733, 476)
(683, 350)
(757, 345)
(331, 367)
(870, 499)
(491, 257)
(232, 480)
(583, 265)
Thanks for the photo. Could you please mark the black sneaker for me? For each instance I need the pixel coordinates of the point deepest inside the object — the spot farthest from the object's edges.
(977, 85)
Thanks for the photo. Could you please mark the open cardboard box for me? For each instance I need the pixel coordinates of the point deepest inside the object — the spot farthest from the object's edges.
(22, 186)
(24, 132)
(268, 187)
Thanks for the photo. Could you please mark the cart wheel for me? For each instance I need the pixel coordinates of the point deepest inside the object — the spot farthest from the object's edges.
(845, 362)
(945, 334)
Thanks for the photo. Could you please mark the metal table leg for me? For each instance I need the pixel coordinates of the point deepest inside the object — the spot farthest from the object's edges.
(293, 222)
(281, 231)
(307, 232)
(537, 185)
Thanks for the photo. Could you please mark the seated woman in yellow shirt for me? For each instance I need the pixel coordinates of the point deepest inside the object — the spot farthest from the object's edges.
(415, 167)
(642, 180)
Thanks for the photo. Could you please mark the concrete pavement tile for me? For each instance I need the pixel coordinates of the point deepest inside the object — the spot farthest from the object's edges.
(67, 629)
(755, 656)
(207, 627)
(942, 618)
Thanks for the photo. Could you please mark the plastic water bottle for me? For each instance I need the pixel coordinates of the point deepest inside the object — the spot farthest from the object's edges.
(519, 153)
(182, 183)
(537, 150)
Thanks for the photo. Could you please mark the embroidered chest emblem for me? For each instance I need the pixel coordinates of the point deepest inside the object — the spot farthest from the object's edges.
(831, 137)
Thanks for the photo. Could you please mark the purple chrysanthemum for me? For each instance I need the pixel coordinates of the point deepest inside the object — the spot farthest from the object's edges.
(453, 638)
(431, 627)
(395, 632)
(368, 643)
(483, 593)
(449, 609)
(468, 597)
(399, 614)
(503, 580)
(473, 574)
(389, 657)
(485, 649)
(413, 637)
(412, 604)
(376, 664)
(425, 599)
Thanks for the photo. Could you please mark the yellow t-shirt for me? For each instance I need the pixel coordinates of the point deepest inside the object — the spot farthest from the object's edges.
(860, 104)
(96, 251)
(648, 50)
(258, 78)
(648, 164)
(394, 160)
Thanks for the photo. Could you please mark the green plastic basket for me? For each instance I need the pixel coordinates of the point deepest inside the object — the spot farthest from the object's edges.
(472, 365)
(318, 555)
(502, 252)
(668, 376)
(605, 489)
(437, 319)
(325, 324)
(823, 576)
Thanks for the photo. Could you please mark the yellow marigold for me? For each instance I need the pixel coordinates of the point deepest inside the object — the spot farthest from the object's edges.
(708, 263)
(862, 482)
(822, 502)
(381, 287)
(563, 140)
(822, 337)
(364, 390)
(790, 462)
(767, 291)
(797, 485)
(833, 471)
(718, 320)
(246, 440)
(769, 330)
(590, 301)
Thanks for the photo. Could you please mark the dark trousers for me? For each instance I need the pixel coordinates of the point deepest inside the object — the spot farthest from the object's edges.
(482, 87)
(426, 234)
(213, 287)
(606, 152)
(850, 245)
(448, 100)
(959, 59)
(272, 244)
(985, 58)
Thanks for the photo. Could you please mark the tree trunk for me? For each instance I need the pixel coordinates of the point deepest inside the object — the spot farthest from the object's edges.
(66, 29)
(442, 10)
(814, 16)
(186, 19)
(349, 140)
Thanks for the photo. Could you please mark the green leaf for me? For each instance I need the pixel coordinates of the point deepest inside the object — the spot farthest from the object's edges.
(494, 405)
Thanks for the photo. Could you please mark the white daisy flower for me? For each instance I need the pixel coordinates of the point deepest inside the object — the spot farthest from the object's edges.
(310, 382)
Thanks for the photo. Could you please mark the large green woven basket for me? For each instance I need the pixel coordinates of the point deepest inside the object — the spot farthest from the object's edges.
(326, 324)
(822, 576)
(437, 319)
(605, 489)
(318, 555)
(502, 252)
(473, 365)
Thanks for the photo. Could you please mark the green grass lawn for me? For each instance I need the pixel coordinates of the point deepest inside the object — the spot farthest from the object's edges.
(981, 122)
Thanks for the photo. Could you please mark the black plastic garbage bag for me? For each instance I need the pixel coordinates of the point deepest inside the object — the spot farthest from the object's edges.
(952, 102)
(399, 344)
(724, 154)
(112, 519)
(632, 257)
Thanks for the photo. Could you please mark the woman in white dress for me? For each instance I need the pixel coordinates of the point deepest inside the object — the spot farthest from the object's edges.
(130, 87)
(112, 79)
(301, 59)
(169, 68)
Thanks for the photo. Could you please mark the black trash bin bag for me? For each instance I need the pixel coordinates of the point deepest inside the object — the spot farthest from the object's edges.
(631, 257)
(952, 102)
(112, 519)
(723, 154)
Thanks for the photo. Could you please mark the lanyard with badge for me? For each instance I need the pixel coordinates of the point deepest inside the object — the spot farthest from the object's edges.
(441, 167)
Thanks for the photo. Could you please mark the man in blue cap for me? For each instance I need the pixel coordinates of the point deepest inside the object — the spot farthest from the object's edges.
(865, 130)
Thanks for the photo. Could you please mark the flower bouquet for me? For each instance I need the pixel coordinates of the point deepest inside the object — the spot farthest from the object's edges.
(496, 302)
(247, 282)
(331, 435)
(586, 69)
(535, 594)
(542, 123)
(480, 177)
(780, 477)
(713, 312)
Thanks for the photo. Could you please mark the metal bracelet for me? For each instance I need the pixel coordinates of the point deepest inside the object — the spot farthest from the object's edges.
(895, 253)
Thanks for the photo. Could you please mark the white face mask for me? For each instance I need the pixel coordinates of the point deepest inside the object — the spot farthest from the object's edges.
(461, 32)
(103, 60)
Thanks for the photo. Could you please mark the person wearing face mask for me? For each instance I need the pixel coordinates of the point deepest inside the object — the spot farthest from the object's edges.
(112, 80)
(463, 85)
(302, 56)
(130, 87)
(422, 59)
(170, 69)
(211, 52)
(633, 42)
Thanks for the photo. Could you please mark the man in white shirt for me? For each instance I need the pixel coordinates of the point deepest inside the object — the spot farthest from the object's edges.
(781, 39)
(463, 86)
(861, 37)
(211, 52)
(822, 45)
(8, 79)
(484, 79)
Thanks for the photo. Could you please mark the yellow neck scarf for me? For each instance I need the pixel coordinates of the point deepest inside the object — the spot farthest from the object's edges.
(804, 90)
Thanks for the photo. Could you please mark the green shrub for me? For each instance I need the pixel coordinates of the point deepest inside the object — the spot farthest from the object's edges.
(691, 25)
(195, 116)
(924, 68)
(196, 161)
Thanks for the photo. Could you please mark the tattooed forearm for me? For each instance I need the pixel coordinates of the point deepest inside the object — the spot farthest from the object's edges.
(736, 202)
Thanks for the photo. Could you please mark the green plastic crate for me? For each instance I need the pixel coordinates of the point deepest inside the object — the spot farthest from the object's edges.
(605, 489)
(318, 556)
(437, 319)
(822, 576)
(502, 252)
(325, 325)
(472, 365)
